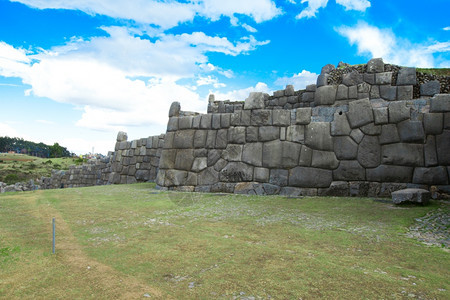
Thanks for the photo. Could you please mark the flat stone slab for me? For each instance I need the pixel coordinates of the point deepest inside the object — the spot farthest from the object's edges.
(411, 195)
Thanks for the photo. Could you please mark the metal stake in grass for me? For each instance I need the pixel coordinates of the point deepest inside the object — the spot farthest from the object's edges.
(53, 242)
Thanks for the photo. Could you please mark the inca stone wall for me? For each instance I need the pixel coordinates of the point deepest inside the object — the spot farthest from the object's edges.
(369, 132)
(131, 162)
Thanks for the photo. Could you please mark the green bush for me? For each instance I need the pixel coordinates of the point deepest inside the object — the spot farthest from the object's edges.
(11, 178)
(48, 162)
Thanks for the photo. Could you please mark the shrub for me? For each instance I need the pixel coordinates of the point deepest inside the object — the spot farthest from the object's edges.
(48, 162)
(11, 178)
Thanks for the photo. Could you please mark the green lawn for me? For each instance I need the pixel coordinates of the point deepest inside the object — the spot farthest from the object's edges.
(131, 241)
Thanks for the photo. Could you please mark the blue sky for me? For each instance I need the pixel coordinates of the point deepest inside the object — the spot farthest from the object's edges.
(78, 71)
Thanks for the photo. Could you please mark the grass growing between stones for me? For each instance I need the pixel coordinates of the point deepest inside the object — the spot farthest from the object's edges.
(131, 241)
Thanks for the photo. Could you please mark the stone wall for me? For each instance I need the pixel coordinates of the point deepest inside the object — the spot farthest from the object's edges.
(365, 136)
(132, 161)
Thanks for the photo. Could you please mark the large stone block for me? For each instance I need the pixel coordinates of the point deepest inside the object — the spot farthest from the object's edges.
(430, 153)
(431, 176)
(406, 76)
(375, 65)
(268, 133)
(252, 154)
(411, 195)
(174, 110)
(374, 92)
(369, 152)
(433, 123)
(352, 92)
(255, 100)
(289, 90)
(213, 156)
(352, 78)
(236, 135)
(388, 92)
(345, 148)
(389, 173)
(225, 120)
(430, 88)
(440, 103)
(310, 177)
(252, 134)
(167, 160)
(199, 164)
(281, 117)
(185, 122)
(215, 121)
(308, 96)
(196, 121)
(206, 121)
(371, 129)
(272, 154)
(324, 160)
(381, 115)
(389, 134)
(405, 92)
(398, 111)
(402, 154)
(175, 177)
(411, 131)
(122, 136)
(233, 152)
(200, 138)
(211, 139)
(261, 174)
(383, 78)
(318, 136)
(184, 159)
(340, 125)
(325, 95)
(442, 148)
(305, 157)
(208, 176)
(279, 177)
(222, 138)
(342, 92)
(236, 172)
(290, 154)
(369, 78)
(322, 80)
(296, 133)
(261, 117)
(360, 113)
(349, 170)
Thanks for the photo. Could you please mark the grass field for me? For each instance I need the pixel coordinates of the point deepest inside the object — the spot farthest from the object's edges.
(131, 241)
(18, 167)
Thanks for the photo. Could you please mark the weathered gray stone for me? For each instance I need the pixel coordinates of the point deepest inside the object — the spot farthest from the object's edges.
(252, 134)
(172, 124)
(327, 69)
(374, 92)
(175, 177)
(442, 148)
(398, 111)
(272, 154)
(289, 90)
(255, 100)
(340, 125)
(199, 164)
(236, 135)
(290, 154)
(390, 173)
(403, 154)
(352, 92)
(220, 164)
(411, 195)
(236, 172)
(246, 118)
(389, 134)
(206, 121)
(233, 152)
(349, 170)
(324, 160)
(122, 136)
(215, 121)
(447, 120)
(380, 115)
(317, 136)
(271, 189)
(185, 122)
(211, 139)
(357, 135)
(311, 88)
(279, 177)
(342, 92)
(196, 121)
(369, 78)
(371, 129)
(225, 120)
(433, 123)
(308, 96)
(325, 95)
(296, 192)
(303, 116)
(281, 117)
(345, 148)
(261, 174)
(360, 113)
(431, 176)
(369, 152)
(184, 159)
(406, 76)
(322, 80)
(383, 78)
(405, 92)
(279, 93)
(363, 95)
(363, 87)
(221, 139)
(200, 138)
(268, 133)
(235, 118)
(305, 156)
(261, 117)
(375, 65)
(252, 154)
(213, 156)
(411, 131)
(167, 160)
(430, 153)
(430, 88)
(310, 177)
(388, 92)
(296, 133)
(352, 78)
(440, 103)
(337, 188)
(208, 176)
(174, 110)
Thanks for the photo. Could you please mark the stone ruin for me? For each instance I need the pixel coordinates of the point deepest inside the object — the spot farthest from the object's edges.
(365, 130)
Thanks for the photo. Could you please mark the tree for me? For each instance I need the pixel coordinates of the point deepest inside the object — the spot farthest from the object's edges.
(56, 150)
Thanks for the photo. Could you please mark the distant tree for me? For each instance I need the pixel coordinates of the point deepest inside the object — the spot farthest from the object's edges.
(56, 150)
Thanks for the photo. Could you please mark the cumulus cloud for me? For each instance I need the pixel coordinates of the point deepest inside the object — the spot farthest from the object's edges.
(7, 130)
(166, 14)
(314, 5)
(241, 94)
(446, 28)
(372, 41)
(299, 81)
(359, 5)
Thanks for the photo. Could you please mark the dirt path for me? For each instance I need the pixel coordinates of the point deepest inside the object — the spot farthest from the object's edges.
(115, 285)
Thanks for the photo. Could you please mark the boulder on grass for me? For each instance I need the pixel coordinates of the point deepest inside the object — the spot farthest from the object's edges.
(419, 196)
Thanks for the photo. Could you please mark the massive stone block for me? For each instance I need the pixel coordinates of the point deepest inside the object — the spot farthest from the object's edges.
(261, 117)
(389, 134)
(303, 116)
(411, 195)
(402, 154)
(388, 92)
(233, 152)
(340, 125)
(440, 103)
(268, 133)
(236, 135)
(236, 172)
(175, 177)
(184, 159)
(349, 170)
(380, 115)
(290, 154)
(405, 92)
(206, 121)
(345, 148)
(296, 133)
(167, 160)
(398, 111)
(174, 110)
(261, 174)
(185, 122)
(369, 152)
(383, 78)
(208, 176)
(324, 160)
(199, 164)
(433, 123)
(252, 134)
(430, 153)
(375, 65)
(252, 154)
(431, 176)
(310, 177)
(411, 131)
(389, 173)
(342, 92)
(352, 78)
(430, 88)
(442, 148)
(406, 76)
(184, 139)
(317, 136)
(221, 138)
(325, 95)
(211, 139)
(255, 100)
(281, 118)
(360, 113)
(279, 177)
(272, 153)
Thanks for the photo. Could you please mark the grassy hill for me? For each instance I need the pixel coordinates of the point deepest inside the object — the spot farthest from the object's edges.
(131, 241)
(19, 167)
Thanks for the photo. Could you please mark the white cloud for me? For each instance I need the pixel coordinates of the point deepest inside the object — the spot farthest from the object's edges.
(209, 80)
(446, 28)
(312, 8)
(166, 14)
(249, 28)
(45, 122)
(372, 42)
(299, 81)
(359, 5)
(242, 94)
(7, 130)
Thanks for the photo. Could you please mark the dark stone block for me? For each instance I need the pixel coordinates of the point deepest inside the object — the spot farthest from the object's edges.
(403, 154)
(388, 173)
(443, 148)
(349, 170)
(431, 176)
(279, 177)
(369, 152)
(420, 196)
(430, 88)
(433, 123)
(406, 76)
(236, 172)
(411, 131)
(360, 113)
(310, 177)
